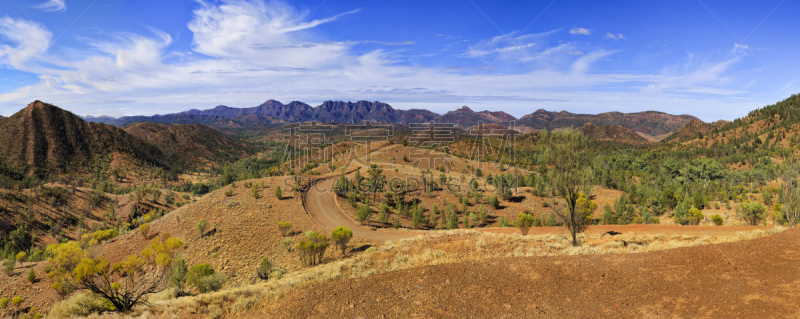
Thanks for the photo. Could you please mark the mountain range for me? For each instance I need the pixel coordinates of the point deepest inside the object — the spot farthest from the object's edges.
(649, 123)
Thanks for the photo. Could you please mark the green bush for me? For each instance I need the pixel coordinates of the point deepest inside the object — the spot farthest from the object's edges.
(201, 227)
(341, 236)
(284, 227)
(312, 249)
(524, 223)
(278, 192)
(503, 221)
(197, 274)
(8, 267)
(493, 202)
(264, 269)
(717, 219)
(213, 282)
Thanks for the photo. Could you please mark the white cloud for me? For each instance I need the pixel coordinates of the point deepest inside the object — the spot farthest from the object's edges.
(53, 6)
(22, 41)
(581, 31)
(616, 37)
(740, 48)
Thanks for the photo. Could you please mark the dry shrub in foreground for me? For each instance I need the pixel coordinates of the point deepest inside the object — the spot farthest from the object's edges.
(423, 251)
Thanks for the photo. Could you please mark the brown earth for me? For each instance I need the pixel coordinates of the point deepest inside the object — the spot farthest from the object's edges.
(748, 279)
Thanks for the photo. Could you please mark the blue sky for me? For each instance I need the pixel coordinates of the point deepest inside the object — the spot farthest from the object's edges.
(711, 59)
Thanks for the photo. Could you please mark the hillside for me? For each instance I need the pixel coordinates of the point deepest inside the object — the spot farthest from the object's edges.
(614, 132)
(43, 138)
(694, 128)
(466, 117)
(651, 122)
(191, 143)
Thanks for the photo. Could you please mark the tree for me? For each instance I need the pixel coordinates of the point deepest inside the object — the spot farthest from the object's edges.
(201, 227)
(312, 249)
(341, 236)
(8, 267)
(790, 194)
(177, 278)
(284, 227)
(752, 213)
(32, 275)
(264, 269)
(16, 302)
(278, 193)
(21, 257)
(524, 222)
(126, 283)
(571, 175)
(144, 229)
(376, 179)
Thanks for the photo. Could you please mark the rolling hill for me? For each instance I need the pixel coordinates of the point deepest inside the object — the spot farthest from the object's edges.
(190, 143)
(614, 132)
(651, 122)
(43, 138)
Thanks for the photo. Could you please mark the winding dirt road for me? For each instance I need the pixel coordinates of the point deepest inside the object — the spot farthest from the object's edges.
(320, 202)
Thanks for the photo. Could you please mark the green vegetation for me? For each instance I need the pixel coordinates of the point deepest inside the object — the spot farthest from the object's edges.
(203, 277)
(201, 227)
(524, 223)
(284, 227)
(312, 249)
(341, 236)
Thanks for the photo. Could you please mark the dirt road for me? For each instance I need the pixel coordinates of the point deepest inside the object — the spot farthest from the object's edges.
(320, 202)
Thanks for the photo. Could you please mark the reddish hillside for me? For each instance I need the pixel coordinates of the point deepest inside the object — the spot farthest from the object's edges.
(43, 138)
(694, 128)
(615, 133)
(192, 143)
(466, 117)
(651, 122)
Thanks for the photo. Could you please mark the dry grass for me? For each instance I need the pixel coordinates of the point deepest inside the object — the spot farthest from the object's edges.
(434, 248)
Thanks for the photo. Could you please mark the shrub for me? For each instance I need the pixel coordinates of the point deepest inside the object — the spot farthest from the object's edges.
(125, 283)
(312, 249)
(264, 269)
(229, 193)
(255, 193)
(196, 275)
(201, 227)
(503, 221)
(717, 219)
(32, 276)
(284, 227)
(341, 236)
(363, 213)
(286, 243)
(278, 192)
(8, 267)
(80, 305)
(493, 202)
(144, 229)
(524, 222)
(214, 282)
(653, 220)
(396, 223)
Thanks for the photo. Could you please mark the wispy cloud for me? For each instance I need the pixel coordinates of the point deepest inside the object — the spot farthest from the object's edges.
(614, 37)
(53, 6)
(392, 43)
(26, 41)
(581, 31)
(740, 48)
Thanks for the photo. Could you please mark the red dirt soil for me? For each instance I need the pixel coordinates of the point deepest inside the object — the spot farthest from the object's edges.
(748, 279)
